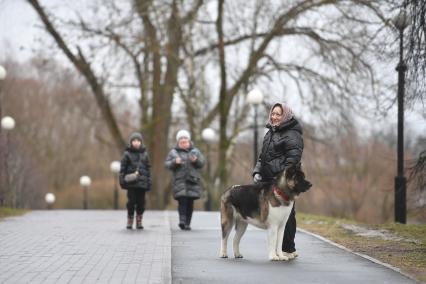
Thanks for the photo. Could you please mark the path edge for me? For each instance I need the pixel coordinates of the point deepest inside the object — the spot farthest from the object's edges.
(387, 265)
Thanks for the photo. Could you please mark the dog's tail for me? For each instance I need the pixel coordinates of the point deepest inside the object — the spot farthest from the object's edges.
(226, 214)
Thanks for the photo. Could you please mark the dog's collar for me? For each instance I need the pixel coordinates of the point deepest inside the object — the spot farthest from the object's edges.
(280, 194)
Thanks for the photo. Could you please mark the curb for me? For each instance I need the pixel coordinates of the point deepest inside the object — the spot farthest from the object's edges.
(167, 260)
(359, 254)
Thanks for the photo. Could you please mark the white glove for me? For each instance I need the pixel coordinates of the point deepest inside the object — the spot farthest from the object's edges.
(257, 177)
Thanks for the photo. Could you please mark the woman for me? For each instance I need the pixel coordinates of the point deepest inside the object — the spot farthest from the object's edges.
(282, 147)
(185, 161)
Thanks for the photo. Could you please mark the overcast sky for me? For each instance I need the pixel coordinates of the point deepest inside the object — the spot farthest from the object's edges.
(17, 28)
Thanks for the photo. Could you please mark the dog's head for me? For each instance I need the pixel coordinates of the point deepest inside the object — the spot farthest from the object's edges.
(293, 178)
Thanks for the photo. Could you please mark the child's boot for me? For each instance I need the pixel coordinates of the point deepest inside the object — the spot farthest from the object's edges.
(139, 222)
(129, 222)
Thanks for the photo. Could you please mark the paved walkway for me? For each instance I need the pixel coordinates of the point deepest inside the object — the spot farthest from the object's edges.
(75, 246)
(195, 260)
(84, 247)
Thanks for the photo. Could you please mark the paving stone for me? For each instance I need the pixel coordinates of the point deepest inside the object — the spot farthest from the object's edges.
(84, 246)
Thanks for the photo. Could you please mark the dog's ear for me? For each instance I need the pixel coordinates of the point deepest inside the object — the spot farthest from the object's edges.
(290, 171)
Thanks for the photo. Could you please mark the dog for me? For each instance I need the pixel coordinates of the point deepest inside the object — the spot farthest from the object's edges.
(266, 205)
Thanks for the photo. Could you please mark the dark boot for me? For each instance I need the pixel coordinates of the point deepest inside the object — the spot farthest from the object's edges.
(182, 221)
(139, 222)
(129, 222)
(188, 222)
(189, 210)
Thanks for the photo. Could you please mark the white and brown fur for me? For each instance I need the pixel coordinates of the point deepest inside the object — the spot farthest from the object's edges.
(264, 205)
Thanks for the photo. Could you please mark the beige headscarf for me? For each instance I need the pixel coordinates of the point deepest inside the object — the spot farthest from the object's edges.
(287, 112)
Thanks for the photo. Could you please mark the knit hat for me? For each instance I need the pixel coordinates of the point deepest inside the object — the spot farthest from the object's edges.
(135, 135)
(183, 133)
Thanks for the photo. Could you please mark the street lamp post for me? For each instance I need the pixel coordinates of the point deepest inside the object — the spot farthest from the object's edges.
(7, 123)
(255, 97)
(208, 136)
(401, 21)
(50, 199)
(2, 77)
(85, 182)
(3, 74)
(115, 169)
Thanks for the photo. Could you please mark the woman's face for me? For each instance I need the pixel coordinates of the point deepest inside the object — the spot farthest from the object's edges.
(276, 116)
(184, 143)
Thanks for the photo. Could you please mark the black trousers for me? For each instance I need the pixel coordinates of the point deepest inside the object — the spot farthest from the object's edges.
(185, 209)
(290, 232)
(135, 201)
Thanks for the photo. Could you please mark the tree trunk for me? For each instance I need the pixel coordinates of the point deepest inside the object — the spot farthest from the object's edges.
(162, 94)
(223, 101)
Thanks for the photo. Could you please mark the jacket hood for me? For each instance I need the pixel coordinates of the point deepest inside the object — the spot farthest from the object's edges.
(133, 136)
(292, 124)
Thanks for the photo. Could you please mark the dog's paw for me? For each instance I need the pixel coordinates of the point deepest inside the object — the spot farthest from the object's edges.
(288, 255)
(223, 255)
(238, 256)
(283, 257)
(274, 257)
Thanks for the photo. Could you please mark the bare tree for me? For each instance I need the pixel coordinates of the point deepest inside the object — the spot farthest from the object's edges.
(58, 133)
(160, 79)
(418, 172)
(352, 178)
(320, 49)
(415, 39)
(331, 69)
(416, 56)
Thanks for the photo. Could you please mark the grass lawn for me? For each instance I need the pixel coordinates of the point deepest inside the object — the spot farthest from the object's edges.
(7, 212)
(402, 246)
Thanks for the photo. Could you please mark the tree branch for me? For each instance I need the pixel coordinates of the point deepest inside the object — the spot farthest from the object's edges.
(80, 62)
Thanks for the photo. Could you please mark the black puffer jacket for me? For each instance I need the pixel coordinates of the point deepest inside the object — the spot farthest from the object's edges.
(132, 160)
(282, 146)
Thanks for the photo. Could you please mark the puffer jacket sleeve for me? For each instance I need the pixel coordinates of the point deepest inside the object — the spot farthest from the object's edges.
(256, 169)
(294, 149)
(147, 169)
(170, 162)
(123, 168)
(258, 165)
(199, 163)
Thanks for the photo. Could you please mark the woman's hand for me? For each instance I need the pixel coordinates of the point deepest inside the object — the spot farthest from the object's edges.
(178, 160)
(257, 178)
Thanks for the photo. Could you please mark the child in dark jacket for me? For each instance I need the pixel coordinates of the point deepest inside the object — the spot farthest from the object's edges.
(135, 177)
